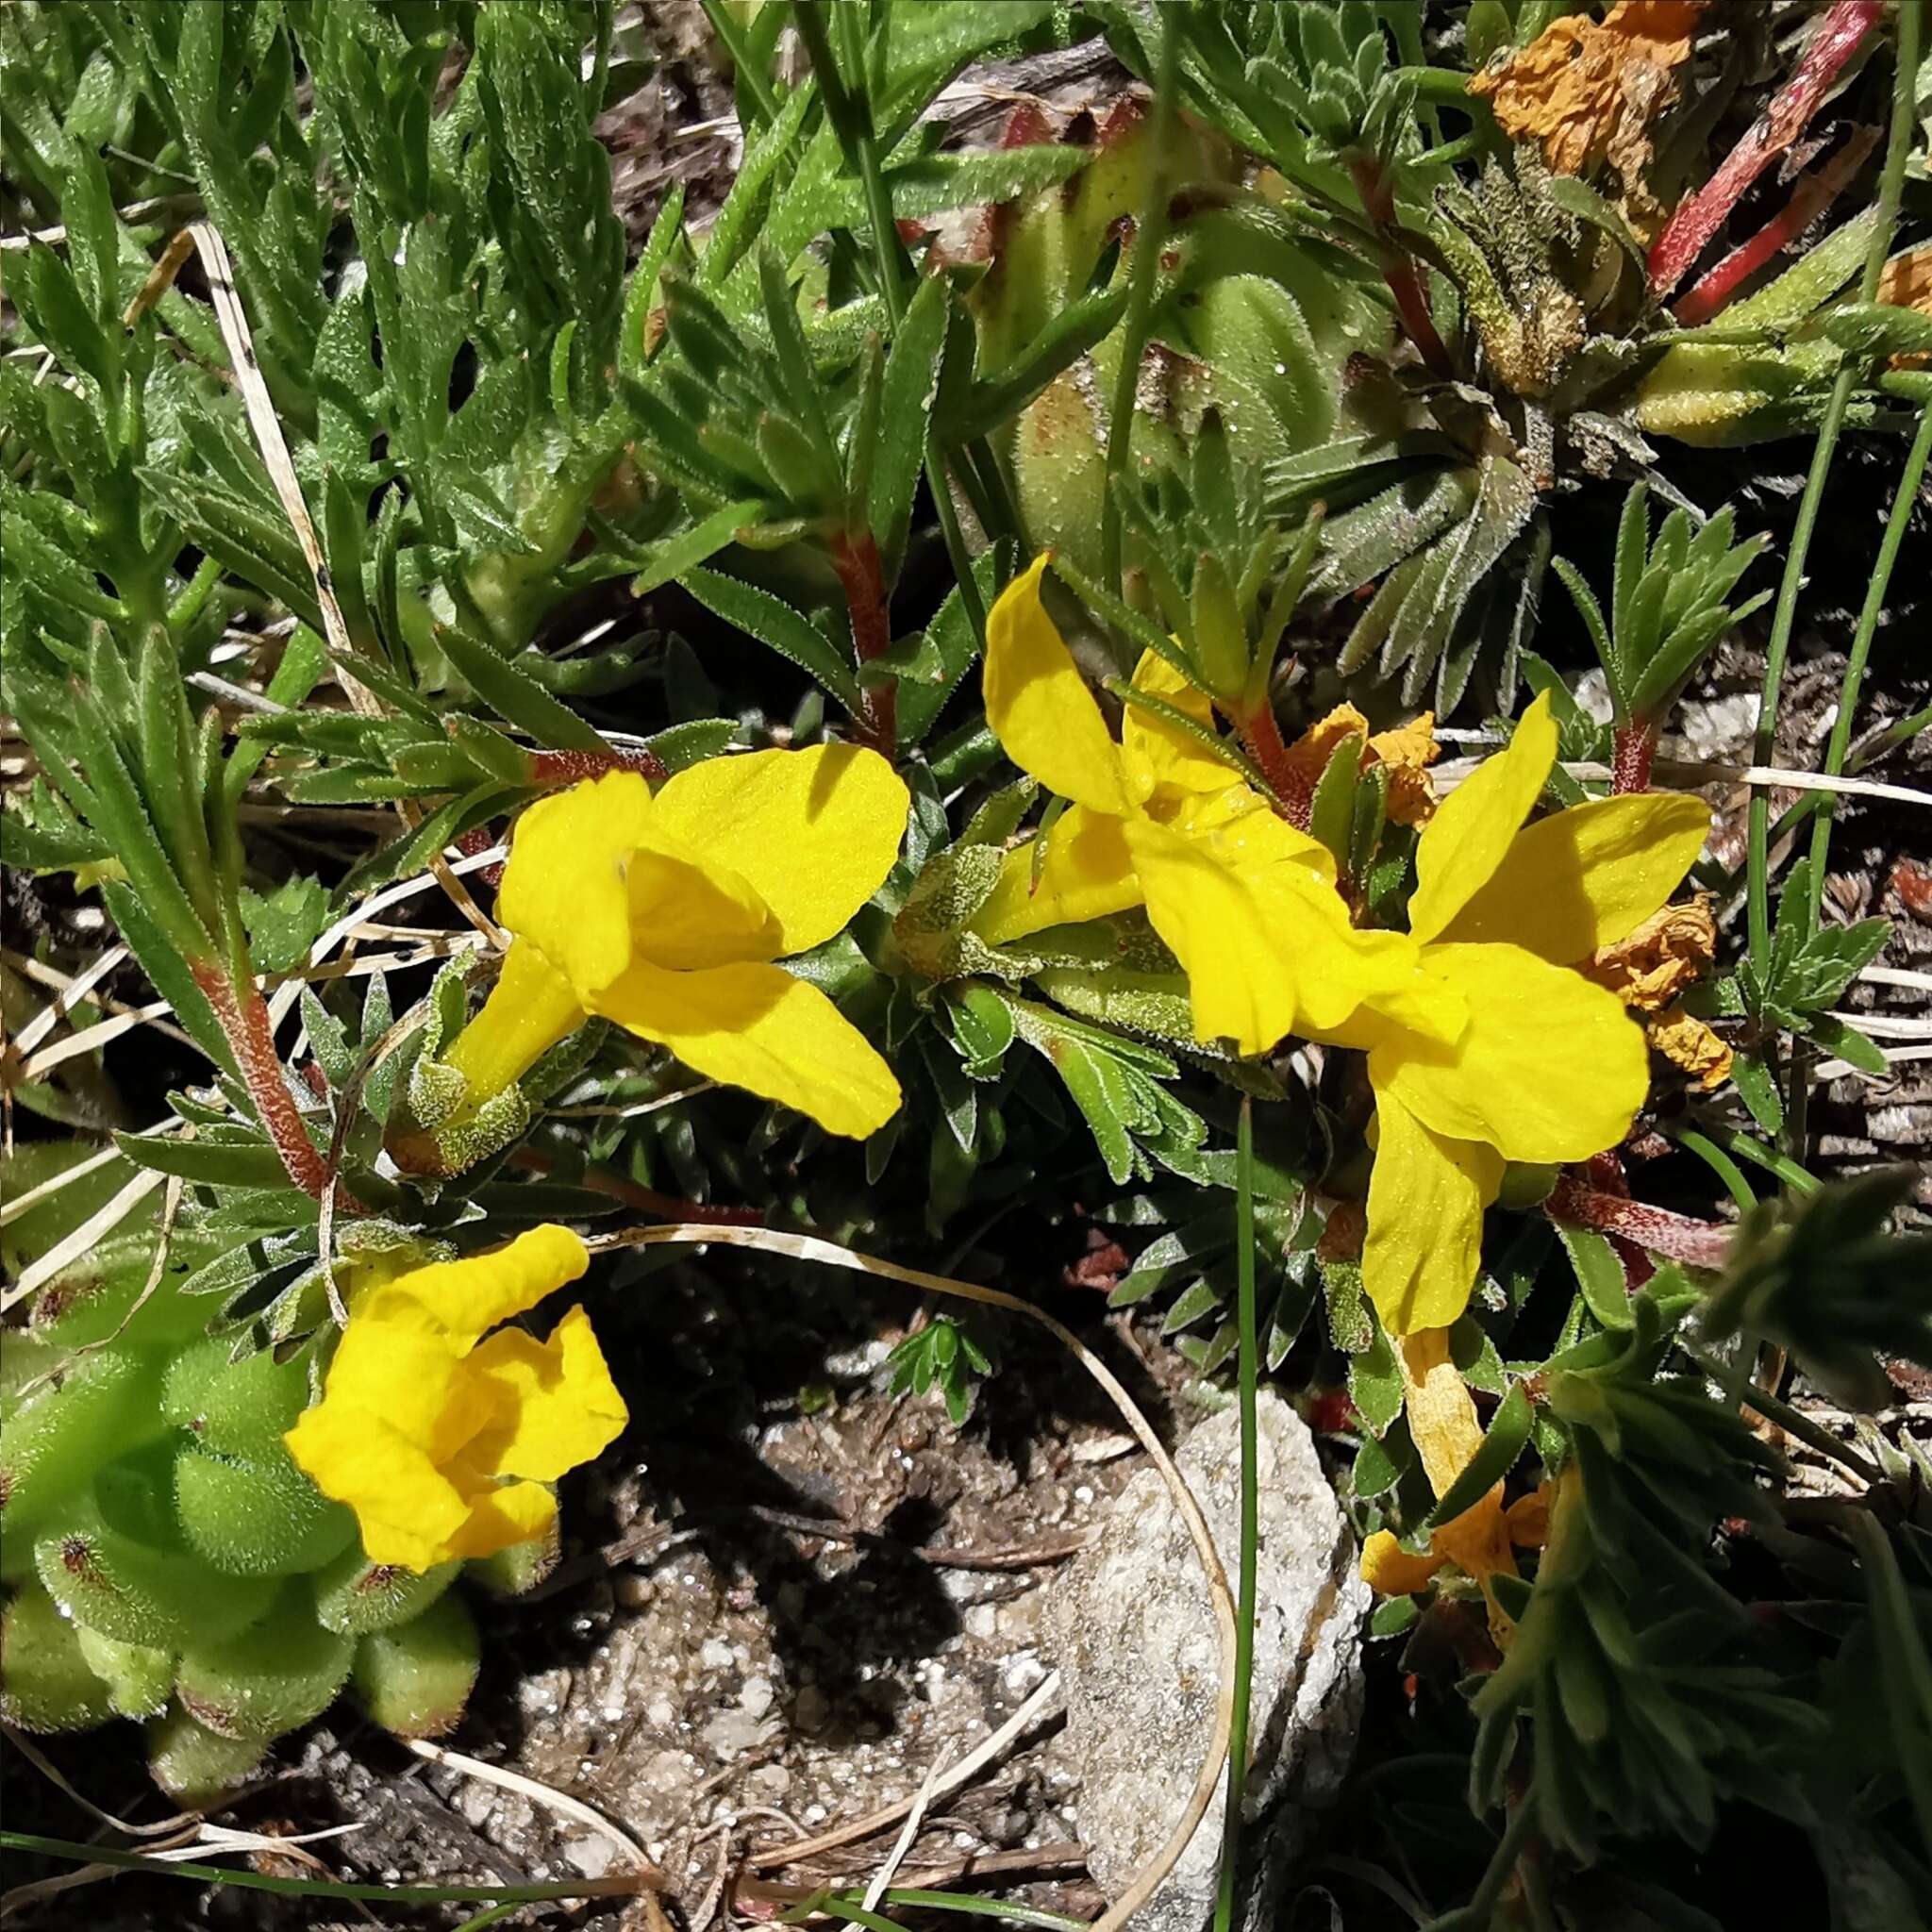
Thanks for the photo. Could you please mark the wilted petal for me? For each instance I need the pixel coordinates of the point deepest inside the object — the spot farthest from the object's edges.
(1587, 878)
(1472, 828)
(1038, 704)
(814, 832)
(1427, 1197)
(755, 1026)
(1447, 1433)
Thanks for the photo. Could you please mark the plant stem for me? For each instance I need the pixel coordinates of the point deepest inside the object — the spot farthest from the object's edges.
(1699, 216)
(1477, 1913)
(1261, 731)
(1144, 273)
(315, 1887)
(1407, 281)
(1734, 1140)
(1719, 1163)
(965, 1902)
(851, 118)
(743, 66)
(856, 558)
(1633, 747)
(1244, 1613)
(243, 1015)
(1764, 744)
(1861, 643)
(1794, 1422)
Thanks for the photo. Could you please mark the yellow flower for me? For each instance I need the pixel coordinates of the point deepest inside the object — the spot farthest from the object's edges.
(440, 1437)
(666, 914)
(1550, 1067)
(1246, 902)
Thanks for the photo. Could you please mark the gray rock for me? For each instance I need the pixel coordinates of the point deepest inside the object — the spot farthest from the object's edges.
(1130, 1626)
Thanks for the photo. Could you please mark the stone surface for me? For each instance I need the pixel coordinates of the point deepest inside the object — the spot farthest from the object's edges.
(1131, 1626)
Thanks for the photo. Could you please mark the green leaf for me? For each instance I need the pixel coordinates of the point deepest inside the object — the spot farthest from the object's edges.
(1599, 1273)
(1855, 1048)
(1503, 1442)
(1829, 961)
(512, 693)
(911, 380)
(283, 925)
(1759, 1090)
(776, 624)
(252, 1163)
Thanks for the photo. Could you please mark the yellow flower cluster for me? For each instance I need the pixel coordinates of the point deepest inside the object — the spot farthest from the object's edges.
(440, 1436)
(1484, 1043)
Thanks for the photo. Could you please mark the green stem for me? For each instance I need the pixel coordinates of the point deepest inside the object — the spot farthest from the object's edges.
(964, 1902)
(1784, 618)
(1861, 644)
(315, 1887)
(1747, 1147)
(1478, 1914)
(1249, 1358)
(1794, 1422)
(851, 118)
(743, 66)
(1719, 1163)
(1144, 277)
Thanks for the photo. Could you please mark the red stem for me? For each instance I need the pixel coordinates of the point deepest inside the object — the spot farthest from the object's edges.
(1633, 746)
(1403, 277)
(1809, 200)
(1698, 1243)
(863, 578)
(1701, 216)
(1261, 733)
(570, 767)
(243, 1014)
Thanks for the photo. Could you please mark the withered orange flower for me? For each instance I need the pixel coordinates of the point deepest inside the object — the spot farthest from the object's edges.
(1587, 88)
(1651, 967)
(1407, 752)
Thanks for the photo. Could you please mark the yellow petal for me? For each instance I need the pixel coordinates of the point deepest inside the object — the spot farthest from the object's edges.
(501, 1514)
(1427, 1197)
(565, 887)
(556, 1406)
(1038, 704)
(531, 1007)
(408, 1372)
(407, 1509)
(1466, 840)
(462, 1299)
(755, 1026)
(1251, 911)
(1155, 755)
(689, 908)
(1087, 872)
(1447, 1432)
(815, 831)
(1388, 1570)
(1583, 878)
(1550, 1068)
